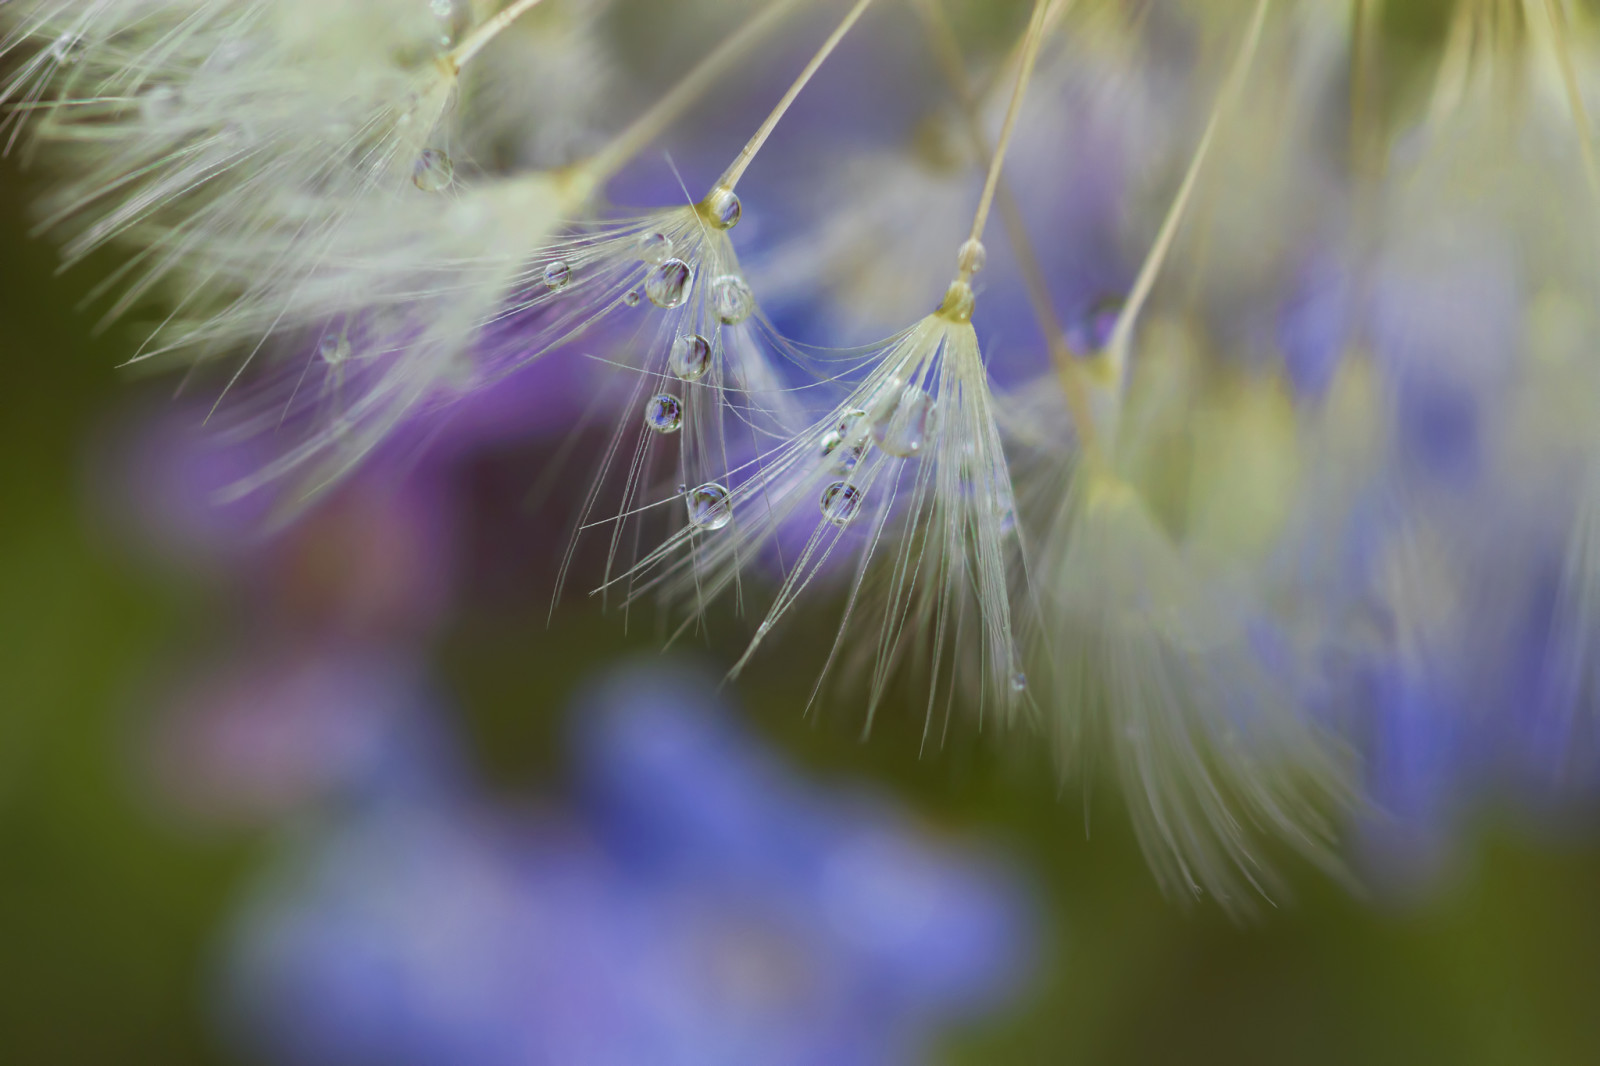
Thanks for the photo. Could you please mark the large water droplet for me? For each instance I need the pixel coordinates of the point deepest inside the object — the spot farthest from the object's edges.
(655, 248)
(710, 506)
(334, 349)
(667, 285)
(690, 358)
(557, 275)
(433, 171)
(664, 413)
(723, 209)
(732, 299)
(840, 502)
(905, 427)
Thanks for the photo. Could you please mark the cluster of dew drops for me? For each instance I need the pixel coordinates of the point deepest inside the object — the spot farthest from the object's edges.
(898, 425)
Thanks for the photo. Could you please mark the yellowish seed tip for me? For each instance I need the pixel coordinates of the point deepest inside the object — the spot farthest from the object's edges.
(958, 302)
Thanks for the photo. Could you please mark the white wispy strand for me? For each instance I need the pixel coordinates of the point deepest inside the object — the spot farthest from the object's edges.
(905, 490)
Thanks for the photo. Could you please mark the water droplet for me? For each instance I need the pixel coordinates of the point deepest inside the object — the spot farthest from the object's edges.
(334, 349)
(722, 208)
(710, 506)
(972, 257)
(632, 297)
(690, 358)
(846, 443)
(664, 413)
(1092, 331)
(557, 274)
(840, 502)
(667, 285)
(732, 299)
(434, 171)
(1019, 682)
(655, 248)
(905, 426)
(68, 48)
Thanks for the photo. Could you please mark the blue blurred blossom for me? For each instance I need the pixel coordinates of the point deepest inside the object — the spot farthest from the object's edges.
(701, 905)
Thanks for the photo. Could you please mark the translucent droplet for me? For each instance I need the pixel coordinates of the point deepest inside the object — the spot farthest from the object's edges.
(846, 443)
(690, 358)
(667, 285)
(732, 299)
(434, 171)
(972, 257)
(1092, 331)
(840, 502)
(1019, 682)
(68, 48)
(904, 428)
(557, 275)
(334, 349)
(632, 297)
(710, 506)
(664, 413)
(722, 208)
(655, 248)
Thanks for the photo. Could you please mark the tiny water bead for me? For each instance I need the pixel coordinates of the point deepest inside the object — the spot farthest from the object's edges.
(664, 413)
(557, 275)
(972, 257)
(632, 297)
(433, 171)
(710, 506)
(840, 502)
(732, 299)
(904, 426)
(334, 349)
(722, 208)
(1019, 682)
(655, 248)
(667, 284)
(690, 358)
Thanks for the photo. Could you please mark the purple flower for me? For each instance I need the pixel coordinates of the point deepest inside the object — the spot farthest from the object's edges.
(706, 907)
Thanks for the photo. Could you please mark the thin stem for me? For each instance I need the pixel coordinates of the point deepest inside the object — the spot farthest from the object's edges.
(1030, 56)
(647, 127)
(1117, 347)
(1069, 368)
(736, 169)
(1363, 86)
(475, 42)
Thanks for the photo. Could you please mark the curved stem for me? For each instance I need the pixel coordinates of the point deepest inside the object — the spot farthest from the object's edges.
(475, 42)
(1117, 347)
(647, 127)
(736, 169)
(1069, 367)
(1030, 57)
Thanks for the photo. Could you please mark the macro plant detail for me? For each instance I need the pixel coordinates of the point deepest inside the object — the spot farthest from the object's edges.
(1239, 446)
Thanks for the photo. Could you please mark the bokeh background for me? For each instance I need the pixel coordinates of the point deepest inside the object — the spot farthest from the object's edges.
(145, 846)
